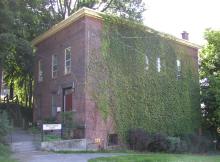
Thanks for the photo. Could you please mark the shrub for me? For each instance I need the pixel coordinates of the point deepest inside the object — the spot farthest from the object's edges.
(68, 124)
(4, 125)
(50, 120)
(196, 143)
(176, 145)
(138, 139)
(159, 143)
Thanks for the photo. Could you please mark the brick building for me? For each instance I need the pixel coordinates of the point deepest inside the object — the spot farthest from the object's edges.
(61, 73)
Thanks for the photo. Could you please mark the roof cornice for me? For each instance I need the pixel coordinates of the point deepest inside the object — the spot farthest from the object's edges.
(63, 24)
(92, 13)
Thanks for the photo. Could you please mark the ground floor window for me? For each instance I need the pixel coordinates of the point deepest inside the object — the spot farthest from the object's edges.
(53, 106)
(112, 139)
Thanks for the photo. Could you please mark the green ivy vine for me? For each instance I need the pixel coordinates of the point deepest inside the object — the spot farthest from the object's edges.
(140, 97)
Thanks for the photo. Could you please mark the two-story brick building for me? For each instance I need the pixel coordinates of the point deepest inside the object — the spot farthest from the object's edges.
(61, 72)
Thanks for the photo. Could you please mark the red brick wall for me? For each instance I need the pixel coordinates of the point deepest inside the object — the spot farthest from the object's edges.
(72, 36)
(96, 127)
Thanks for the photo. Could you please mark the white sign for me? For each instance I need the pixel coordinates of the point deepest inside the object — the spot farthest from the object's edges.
(58, 109)
(52, 126)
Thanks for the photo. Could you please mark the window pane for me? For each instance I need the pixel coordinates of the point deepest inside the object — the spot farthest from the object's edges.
(68, 60)
(54, 65)
(146, 63)
(158, 64)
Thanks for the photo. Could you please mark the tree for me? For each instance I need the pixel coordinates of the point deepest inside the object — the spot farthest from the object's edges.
(131, 9)
(210, 80)
(17, 56)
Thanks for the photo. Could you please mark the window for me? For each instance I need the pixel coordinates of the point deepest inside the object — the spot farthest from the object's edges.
(54, 66)
(146, 63)
(67, 60)
(40, 71)
(178, 66)
(158, 64)
(112, 139)
(53, 106)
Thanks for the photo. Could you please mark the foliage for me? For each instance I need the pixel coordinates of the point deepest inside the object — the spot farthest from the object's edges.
(17, 60)
(176, 145)
(131, 9)
(5, 154)
(159, 143)
(158, 158)
(50, 120)
(210, 80)
(21, 21)
(4, 125)
(68, 124)
(196, 144)
(140, 97)
(138, 139)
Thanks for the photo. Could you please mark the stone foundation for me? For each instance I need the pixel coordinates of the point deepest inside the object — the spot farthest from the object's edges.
(69, 145)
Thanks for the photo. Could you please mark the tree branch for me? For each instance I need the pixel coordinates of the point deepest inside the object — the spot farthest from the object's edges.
(107, 6)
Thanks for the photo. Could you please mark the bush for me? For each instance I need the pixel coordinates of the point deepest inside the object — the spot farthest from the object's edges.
(159, 143)
(196, 143)
(5, 154)
(68, 124)
(4, 125)
(138, 139)
(50, 120)
(176, 145)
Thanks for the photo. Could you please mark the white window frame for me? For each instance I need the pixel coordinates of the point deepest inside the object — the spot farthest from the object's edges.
(178, 67)
(54, 67)
(158, 64)
(67, 63)
(146, 62)
(40, 71)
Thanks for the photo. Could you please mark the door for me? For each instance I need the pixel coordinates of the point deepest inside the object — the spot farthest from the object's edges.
(68, 100)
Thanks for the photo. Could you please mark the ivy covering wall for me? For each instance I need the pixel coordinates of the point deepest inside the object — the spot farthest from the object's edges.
(132, 91)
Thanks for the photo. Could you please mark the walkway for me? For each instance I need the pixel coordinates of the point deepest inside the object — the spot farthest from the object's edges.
(25, 147)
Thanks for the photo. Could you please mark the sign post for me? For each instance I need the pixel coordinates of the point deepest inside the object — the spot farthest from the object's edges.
(49, 127)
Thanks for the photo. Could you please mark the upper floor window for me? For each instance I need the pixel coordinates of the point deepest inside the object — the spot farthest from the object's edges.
(68, 60)
(40, 71)
(146, 63)
(178, 66)
(158, 64)
(54, 66)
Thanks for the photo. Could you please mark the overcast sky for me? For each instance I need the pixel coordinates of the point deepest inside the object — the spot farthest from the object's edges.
(174, 16)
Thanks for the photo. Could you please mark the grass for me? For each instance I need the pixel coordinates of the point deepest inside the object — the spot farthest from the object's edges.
(5, 154)
(159, 158)
(51, 137)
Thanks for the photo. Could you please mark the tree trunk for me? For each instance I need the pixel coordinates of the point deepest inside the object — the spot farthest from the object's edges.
(11, 95)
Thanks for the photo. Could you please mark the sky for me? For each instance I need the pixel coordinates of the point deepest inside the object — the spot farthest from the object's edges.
(175, 16)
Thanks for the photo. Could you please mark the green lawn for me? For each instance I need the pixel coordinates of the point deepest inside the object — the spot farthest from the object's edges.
(159, 158)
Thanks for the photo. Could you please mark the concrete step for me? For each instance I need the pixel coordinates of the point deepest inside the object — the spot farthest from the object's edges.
(28, 146)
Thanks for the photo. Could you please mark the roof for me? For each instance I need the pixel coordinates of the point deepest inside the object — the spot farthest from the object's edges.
(92, 13)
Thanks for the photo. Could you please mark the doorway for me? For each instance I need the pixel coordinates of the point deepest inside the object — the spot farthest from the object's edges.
(67, 99)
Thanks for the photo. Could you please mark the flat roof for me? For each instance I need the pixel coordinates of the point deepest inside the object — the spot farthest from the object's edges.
(92, 13)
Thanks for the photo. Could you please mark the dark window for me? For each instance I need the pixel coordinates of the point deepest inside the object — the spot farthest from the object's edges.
(112, 139)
